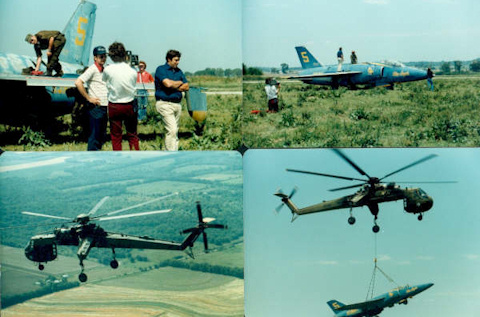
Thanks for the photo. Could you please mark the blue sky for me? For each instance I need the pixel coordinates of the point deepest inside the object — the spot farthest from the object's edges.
(293, 269)
(408, 30)
(208, 32)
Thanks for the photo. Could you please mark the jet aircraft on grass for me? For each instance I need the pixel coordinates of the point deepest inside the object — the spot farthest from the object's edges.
(376, 305)
(85, 234)
(25, 96)
(366, 74)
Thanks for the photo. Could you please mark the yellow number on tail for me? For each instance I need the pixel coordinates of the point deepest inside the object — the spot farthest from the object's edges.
(81, 31)
(305, 57)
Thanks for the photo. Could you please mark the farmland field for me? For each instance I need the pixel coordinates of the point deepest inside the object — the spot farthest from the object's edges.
(213, 296)
(408, 116)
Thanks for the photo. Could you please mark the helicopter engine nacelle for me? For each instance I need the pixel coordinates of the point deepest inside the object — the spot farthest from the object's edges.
(41, 248)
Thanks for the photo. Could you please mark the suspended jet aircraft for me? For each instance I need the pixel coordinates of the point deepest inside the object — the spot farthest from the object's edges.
(372, 192)
(370, 75)
(377, 304)
(85, 234)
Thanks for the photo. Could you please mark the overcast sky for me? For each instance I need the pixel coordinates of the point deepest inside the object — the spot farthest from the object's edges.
(207, 32)
(407, 30)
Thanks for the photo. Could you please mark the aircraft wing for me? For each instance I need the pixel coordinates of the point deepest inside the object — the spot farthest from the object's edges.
(363, 305)
(41, 81)
(322, 75)
(117, 240)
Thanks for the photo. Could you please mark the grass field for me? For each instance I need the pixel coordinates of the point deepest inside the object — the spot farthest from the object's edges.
(408, 116)
(220, 131)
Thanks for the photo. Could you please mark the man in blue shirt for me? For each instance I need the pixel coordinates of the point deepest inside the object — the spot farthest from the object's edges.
(170, 83)
(340, 59)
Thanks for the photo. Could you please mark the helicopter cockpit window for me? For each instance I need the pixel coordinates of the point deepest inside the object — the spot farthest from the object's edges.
(422, 193)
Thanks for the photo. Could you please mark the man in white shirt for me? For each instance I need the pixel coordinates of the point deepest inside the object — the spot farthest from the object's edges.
(96, 97)
(121, 80)
(271, 89)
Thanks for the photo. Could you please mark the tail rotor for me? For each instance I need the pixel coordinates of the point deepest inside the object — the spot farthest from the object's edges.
(284, 198)
(203, 223)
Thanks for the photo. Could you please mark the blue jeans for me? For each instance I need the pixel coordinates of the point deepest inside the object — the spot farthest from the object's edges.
(430, 83)
(142, 102)
(98, 127)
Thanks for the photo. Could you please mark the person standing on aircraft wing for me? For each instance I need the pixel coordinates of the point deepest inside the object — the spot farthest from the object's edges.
(53, 42)
(97, 99)
(340, 59)
(271, 88)
(121, 79)
(143, 77)
(353, 58)
(170, 83)
(430, 75)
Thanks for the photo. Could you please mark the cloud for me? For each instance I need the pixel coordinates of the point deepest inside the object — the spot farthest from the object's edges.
(474, 257)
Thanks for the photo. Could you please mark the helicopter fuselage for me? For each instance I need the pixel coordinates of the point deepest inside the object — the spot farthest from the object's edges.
(415, 199)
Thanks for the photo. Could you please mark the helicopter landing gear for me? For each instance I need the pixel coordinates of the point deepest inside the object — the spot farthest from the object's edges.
(351, 220)
(420, 217)
(114, 262)
(41, 267)
(375, 228)
(82, 277)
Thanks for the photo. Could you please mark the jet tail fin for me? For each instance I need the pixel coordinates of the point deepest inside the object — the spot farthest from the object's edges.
(335, 305)
(79, 33)
(306, 58)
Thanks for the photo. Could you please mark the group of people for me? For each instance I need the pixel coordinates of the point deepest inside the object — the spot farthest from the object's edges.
(110, 91)
(353, 59)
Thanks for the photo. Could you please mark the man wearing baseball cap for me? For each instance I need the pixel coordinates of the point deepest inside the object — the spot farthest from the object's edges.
(96, 98)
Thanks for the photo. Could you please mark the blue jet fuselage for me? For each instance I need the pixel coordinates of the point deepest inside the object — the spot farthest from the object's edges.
(371, 74)
(376, 305)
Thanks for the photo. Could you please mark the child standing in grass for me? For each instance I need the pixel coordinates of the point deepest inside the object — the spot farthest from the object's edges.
(271, 88)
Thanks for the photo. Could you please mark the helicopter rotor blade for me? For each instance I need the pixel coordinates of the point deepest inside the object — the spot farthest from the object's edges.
(205, 241)
(326, 175)
(134, 215)
(43, 215)
(346, 187)
(426, 158)
(199, 212)
(428, 182)
(138, 205)
(349, 161)
(98, 205)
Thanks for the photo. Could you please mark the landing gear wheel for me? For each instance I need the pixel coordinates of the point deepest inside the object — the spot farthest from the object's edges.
(420, 217)
(114, 264)
(41, 267)
(82, 277)
(351, 220)
(376, 228)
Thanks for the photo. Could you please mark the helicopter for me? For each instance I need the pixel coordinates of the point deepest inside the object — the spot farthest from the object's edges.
(373, 191)
(86, 234)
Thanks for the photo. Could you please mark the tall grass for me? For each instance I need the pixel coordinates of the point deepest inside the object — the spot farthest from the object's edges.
(408, 116)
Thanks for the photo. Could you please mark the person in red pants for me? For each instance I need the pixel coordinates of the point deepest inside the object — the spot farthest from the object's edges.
(121, 79)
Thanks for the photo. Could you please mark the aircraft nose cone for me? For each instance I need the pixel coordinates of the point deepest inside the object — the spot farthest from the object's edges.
(428, 204)
(423, 287)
